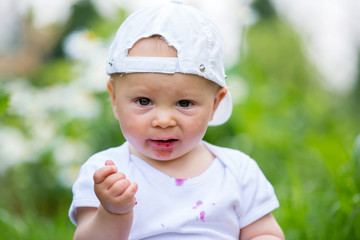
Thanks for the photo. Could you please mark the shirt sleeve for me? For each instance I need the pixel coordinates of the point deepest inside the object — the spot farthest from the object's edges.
(83, 188)
(257, 195)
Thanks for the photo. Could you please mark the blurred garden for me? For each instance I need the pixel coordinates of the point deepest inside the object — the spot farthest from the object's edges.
(55, 113)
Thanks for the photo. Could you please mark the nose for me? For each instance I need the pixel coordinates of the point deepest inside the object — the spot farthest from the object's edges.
(163, 118)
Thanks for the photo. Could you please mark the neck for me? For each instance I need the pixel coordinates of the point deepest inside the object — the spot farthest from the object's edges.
(189, 165)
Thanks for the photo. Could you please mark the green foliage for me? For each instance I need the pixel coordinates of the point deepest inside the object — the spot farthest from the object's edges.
(52, 72)
(305, 138)
(357, 163)
(264, 8)
(34, 203)
(300, 135)
(83, 17)
(4, 101)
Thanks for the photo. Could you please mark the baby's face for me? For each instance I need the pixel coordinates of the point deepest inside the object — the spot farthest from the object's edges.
(163, 116)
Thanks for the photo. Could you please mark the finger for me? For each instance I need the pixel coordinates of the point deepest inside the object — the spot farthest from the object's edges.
(126, 201)
(133, 189)
(119, 187)
(109, 162)
(129, 194)
(112, 179)
(101, 174)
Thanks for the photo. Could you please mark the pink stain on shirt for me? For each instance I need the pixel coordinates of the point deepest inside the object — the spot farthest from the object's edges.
(202, 216)
(198, 203)
(179, 181)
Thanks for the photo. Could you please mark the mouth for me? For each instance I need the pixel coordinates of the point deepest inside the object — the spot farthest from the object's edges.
(164, 144)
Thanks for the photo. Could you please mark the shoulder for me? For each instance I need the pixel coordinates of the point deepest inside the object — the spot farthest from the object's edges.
(117, 154)
(108, 153)
(229, 152)
(257, 196)
(230, 156)
(240, 165)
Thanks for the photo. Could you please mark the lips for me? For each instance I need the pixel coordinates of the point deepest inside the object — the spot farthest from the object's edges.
(164, 144)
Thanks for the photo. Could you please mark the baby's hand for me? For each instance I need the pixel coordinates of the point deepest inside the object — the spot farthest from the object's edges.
(114, 191)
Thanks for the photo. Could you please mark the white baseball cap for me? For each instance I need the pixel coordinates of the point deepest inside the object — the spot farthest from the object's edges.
(199, 45)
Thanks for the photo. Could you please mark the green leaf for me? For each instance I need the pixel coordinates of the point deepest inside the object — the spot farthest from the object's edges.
(357, 160)
(4, 101)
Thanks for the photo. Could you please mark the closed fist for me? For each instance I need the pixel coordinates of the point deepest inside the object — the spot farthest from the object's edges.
(114, 190)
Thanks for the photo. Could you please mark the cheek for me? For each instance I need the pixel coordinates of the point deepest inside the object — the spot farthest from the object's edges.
(196, 129)
(130, 124)
(200, 126)
(127, 124)
(204, 117)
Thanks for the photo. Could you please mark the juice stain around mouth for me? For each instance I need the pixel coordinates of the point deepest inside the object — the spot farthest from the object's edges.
(163, 149)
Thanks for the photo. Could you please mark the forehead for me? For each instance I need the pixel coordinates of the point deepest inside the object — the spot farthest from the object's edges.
(154, 46)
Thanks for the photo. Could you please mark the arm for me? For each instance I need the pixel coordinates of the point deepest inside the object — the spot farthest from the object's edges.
(113, 218)
(264, 228)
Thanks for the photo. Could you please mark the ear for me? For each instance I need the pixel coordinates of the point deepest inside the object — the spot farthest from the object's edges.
(219, 96)
(111, 89)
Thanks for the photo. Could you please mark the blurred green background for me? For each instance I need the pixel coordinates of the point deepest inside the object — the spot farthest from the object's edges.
(55, 115)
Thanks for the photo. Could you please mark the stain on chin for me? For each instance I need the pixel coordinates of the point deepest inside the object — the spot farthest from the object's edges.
(163, 155)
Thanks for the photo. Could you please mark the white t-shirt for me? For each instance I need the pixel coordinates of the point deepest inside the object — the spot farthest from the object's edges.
(229, 195)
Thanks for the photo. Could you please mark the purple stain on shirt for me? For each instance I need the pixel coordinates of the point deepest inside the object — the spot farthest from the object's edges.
(202, 216)
(179, 181)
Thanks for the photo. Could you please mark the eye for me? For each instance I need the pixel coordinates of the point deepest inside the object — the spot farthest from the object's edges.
(184, 103)
(144, 101)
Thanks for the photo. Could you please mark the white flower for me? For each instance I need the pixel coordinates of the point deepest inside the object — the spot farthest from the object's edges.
(91, 53)
(33, 103)
(82, 45)
(45, 13)
(238, 88)
(331, 36)
(71, 151)
(14, 148)
(42, 132)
